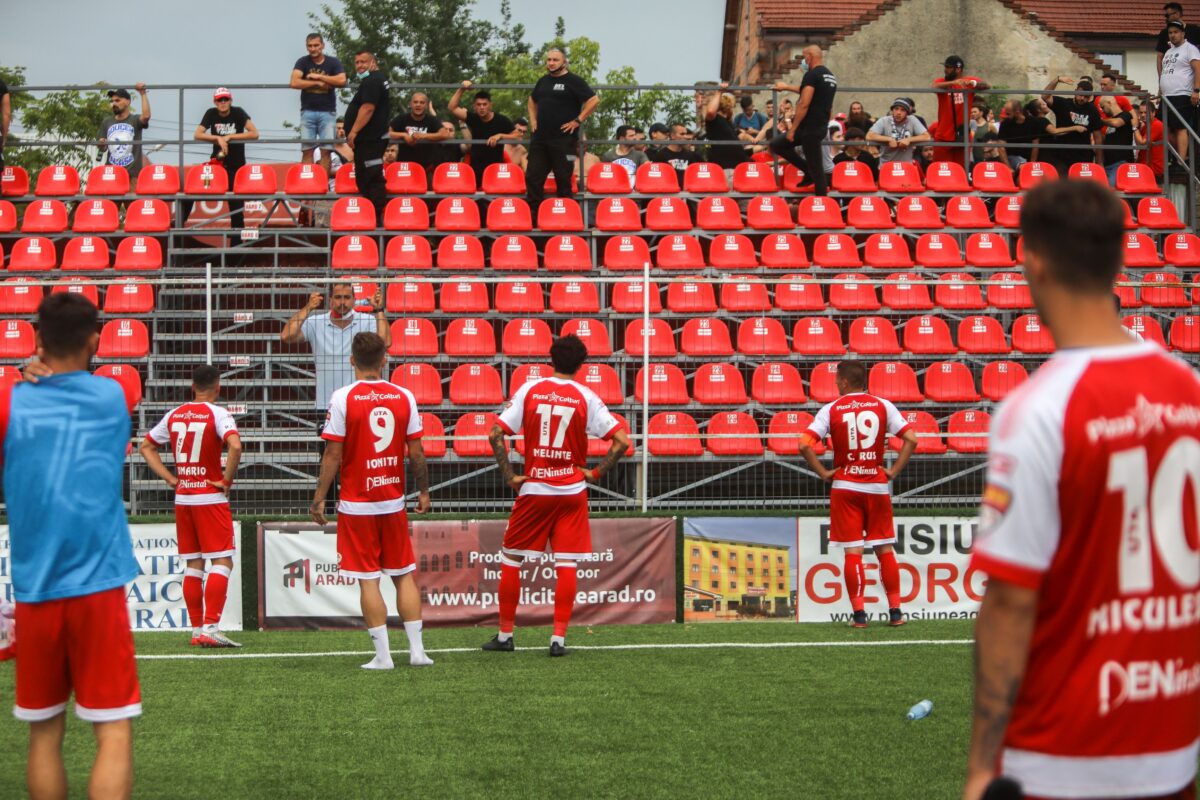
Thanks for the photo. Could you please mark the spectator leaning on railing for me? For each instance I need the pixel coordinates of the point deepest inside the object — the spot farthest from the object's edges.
(417, 132)
(484, 123)
(1118, 132)
(1022, 126)
(227, 126)
(317, 76)
(1150, 132)
(897, 133)
(121, 133)
(953, 108)
(1076, 122)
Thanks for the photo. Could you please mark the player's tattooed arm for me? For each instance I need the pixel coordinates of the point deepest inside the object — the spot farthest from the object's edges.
(1002, 635)
(620, 446)
(420, 473)
(496, 438)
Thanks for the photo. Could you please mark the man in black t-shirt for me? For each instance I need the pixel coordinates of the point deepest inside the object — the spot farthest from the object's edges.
(558, 105)
(1118, 132)
(1076, 122)
(1021, 126)
(677, 155)
(1173, 12)
(484, 123)
(366, 126)
(809, 120)
(416, 132)
(227, 126)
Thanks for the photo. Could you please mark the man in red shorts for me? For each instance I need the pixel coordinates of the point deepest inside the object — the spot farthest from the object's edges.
(1087, 643)
(954, 110)
(197, 433)
(860, 505)
(371, 425)
(556, 416)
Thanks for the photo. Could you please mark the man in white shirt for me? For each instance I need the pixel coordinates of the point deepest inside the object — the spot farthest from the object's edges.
(1179, 84)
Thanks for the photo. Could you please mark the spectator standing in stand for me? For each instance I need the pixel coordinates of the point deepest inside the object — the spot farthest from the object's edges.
(1108, 83)
(810, 122)
(367, 120)
(227, 126)
(558, 105)
(517, 152)
(1179, 85)
(417, 132)
(953, 106)
(1150, 132)
(898, 132)
(1077, 122)
(317, 76)
(484, 123)
(858, 117)
(121, 133)
(725, 147)
(1118, 131)
(1022, 126)
(1174, 13)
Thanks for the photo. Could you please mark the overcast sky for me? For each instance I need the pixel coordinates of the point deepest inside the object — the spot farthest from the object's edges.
(226, 42)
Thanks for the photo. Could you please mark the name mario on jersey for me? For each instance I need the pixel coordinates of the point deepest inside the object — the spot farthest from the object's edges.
(1144, 418)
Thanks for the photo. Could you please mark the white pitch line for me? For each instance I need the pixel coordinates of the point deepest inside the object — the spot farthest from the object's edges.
(665, 646)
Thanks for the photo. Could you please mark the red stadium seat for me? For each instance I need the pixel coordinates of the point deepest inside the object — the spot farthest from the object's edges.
(592, 333)
(1196, 290)
(1127, 295)
(405, 214)
(471, 432)
(762, 336)
(668, 214)
(661, 339)
(1034, 172)
(1136, 179)
(966, 431)
(667, 386)
(900, 177)
(422, 380)
(822, 382)
(895, 381)
(80, 286)
(705, 337)
(559, 214)
(569, 253)
(656, 178)
(260, 179)
(96, 216)
(783, 251)
(918, 213)
(526, 373)
(407, 177)
(767, 213)
(629, 297)
(967, 211)
(922, 422)
(504, 178)
(604, 381)
(1008, 211)
(628, 253)
(928, 335)
(124, 338)
(133, 296)
(981, 335)
(8, 217)
(715, 213)
(853, 177)
(732, 251)
(992, 177)
(17, 339)
(1010, 292)
(59, 180)
(19, 296)
(460, 252)
(691, 297)
(719, 384)
(1019, 256)
(743, 294)
(946, 176)
(906, 291)
(355, 252)
(1029, 335)
(1087, 170)
(798, 293)
(785, 430)
(814, 336)
(574, 297)
(85, 253)
(1140, 251)
(129, 379)
(1167, 291)
(1158, 213)
(820, 213)
(777, 384)
(936, 250)
(147, 216)
(33, 254)
(834, 250)
(476, 385)
(705, 178)
(345, 180)
(514, 253)
(138, 253)
(520, 297)
(679, 251)
(988, 250)
(1185, 334)
(205, 179)
(618, 214)
(508, 214)
(886, 251)
(733, 433)
(107, 180)
(44, 216)
(873, 336)
(462, 295)
(456, 214)
(608, 178)
(853, 292)
(470, 337)
(453, 177)
(950, 382)
(869, 213)
(14, 182)
(413, 337)
(1000, 378)
(410, 297)
(551, 185)
(306, 179)
(750, 177)
(961, 294)
(673, 433)
(598, 448)
(433, 437)
(1146, 327)
(408, 252)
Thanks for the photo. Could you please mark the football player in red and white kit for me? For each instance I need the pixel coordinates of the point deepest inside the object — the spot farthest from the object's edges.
(197, 433)
(372, 425)
(860, 503)
(556, 416)
(1087, 664)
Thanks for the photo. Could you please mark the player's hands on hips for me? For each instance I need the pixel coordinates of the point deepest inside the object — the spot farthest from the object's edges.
(423, 503)
(591, 476)
(890, 472)
(222, 485)
(825, 474)
(172, 481)
(36, 369)
(569, 127)
(515, 482)
(317, 510)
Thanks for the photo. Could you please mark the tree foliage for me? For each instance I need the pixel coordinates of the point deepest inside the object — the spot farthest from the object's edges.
(66, 115)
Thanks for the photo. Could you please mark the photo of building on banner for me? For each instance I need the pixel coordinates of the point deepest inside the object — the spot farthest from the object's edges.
(629, 579)
(738, 568)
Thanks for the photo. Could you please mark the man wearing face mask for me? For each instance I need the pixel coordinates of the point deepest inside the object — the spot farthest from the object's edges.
(367, 125)
(558, 105)
(121, 134)
(810, 123)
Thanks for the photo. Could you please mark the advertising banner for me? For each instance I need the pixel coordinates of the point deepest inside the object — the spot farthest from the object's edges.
(738, 568)
(630, 577)
(156, 595)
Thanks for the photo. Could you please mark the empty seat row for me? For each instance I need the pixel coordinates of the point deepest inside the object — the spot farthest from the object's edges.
(131, 296)
(119, 338)
(149, 215)
(39, 254)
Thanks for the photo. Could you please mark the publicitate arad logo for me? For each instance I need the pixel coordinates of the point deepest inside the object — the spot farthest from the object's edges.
(297, 572)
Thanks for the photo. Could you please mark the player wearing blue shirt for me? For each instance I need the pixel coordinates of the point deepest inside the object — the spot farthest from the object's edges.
(63, 441)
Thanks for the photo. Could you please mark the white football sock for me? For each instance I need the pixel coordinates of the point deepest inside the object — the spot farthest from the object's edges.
(383, 656)
(503, 637)
(416, 647)
(559, 640)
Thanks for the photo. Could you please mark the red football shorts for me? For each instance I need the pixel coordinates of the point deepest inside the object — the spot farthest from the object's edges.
(852, 513)
(560, 520)
(81, 643)
(204, 531)
(372, 544)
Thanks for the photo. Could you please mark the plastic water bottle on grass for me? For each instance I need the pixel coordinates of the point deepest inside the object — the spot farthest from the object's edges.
(920, 710)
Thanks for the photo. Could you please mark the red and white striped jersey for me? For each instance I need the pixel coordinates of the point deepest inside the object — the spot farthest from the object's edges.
(859, 425)
(197, 433)
(375, 421)
(1093, 499)
(556, 416)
